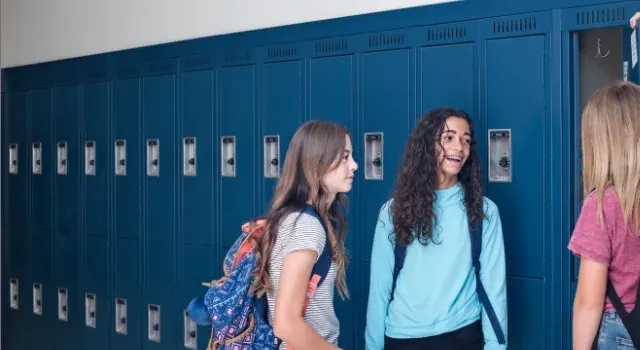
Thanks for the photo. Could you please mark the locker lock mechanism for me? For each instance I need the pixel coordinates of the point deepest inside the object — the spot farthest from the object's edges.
(190, 332)
(121, 316)
(373, 149)
(189, 156)
(500, 161)
(271, 153)
(154, 323)
(228, 156)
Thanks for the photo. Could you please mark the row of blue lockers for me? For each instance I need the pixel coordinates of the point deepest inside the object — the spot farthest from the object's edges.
(127, 176)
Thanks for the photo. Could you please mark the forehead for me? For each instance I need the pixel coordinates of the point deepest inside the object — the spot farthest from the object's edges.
(347, 144)
(457, 125)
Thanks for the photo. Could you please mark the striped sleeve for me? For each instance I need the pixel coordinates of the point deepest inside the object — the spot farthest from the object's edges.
(302, 232)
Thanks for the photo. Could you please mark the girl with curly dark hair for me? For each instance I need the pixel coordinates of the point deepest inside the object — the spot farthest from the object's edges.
(434, 304)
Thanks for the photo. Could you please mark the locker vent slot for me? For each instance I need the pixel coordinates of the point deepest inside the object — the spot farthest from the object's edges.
(97, 75)
(612, 14)
(514, 25)
(333, 46)
(67, 78)
(128, 71)
(282, 52)
(447, 33)
(237, 57)
(163, 66)
(198, 61)
(386, 40)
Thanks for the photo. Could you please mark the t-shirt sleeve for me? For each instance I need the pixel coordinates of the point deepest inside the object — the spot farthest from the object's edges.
(302, 232)
(590, 237)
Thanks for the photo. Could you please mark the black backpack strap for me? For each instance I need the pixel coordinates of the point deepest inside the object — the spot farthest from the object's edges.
(475, 231)
(399, 252)
(322, 266)
(631, 321)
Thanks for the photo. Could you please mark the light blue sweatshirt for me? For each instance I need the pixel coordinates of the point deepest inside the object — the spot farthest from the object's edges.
(435, 291)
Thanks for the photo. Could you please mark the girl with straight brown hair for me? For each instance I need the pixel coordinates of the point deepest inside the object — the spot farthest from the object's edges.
(318, 171)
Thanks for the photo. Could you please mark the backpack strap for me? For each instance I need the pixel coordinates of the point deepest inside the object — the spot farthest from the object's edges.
(630, 320)
(475, 231)
(399, 253)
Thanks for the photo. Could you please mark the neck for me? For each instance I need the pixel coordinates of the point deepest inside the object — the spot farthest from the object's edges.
(445, 182)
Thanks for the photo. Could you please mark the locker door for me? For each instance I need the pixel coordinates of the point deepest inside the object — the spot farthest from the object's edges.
(387, 75)
(160, 170)
(126, 327)
(96, 169)
(67, 184)
(237, 140)
(282, 111)
(19, 308)
(331, 95)
(41, 169)
(521, 152)
(593, 36)
(198, 165)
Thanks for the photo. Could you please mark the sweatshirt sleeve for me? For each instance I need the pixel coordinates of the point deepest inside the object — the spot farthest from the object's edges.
(381, 278)
(493, 275)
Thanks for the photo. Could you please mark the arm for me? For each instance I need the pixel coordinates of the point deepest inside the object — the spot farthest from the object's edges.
(591, 242)
(381, 277)
(589, 303)
(493, 275)
(289, 324)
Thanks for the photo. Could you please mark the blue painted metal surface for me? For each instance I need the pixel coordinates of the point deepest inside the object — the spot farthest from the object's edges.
(152, 240)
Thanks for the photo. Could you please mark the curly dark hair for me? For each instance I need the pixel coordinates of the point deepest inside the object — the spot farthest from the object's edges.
(412, 209)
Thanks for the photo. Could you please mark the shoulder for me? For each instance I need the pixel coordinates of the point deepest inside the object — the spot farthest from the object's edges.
(299, 231)
(303, 223)
(490, 209)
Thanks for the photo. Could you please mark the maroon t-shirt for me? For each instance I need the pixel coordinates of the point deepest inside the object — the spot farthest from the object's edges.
(614, 244)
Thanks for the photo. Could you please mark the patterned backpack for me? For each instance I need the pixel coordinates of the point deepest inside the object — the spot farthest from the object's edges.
(237, 318)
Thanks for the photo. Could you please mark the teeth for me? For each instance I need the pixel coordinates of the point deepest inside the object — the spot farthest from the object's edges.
(455, 158)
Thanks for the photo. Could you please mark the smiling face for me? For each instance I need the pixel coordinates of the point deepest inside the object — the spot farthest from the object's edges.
(455, 142)
(340, 178)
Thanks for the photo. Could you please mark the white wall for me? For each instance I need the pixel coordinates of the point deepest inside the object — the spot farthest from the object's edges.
(34, 31)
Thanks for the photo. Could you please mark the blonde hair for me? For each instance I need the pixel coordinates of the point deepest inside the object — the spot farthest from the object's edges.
(313, 151)
(611, 147)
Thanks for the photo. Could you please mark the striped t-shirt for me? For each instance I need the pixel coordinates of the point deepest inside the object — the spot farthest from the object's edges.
(306, 233)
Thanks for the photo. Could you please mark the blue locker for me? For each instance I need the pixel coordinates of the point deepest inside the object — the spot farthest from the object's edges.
(160, 326)
(237, 86)
(332, 81)
(41, 170)
(42, 145)
(67, 144)
(387, 102)
(96, 302)
(96, 160)
(524, 222)
(282, 111)
(197, 268)
(17, 218)
(160, 168)
(96, 169)
(199, 142)
(126, 328)
(127, 146)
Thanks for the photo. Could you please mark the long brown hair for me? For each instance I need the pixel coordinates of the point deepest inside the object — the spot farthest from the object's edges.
(415, 193)
(313, 150)
(611, 147)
